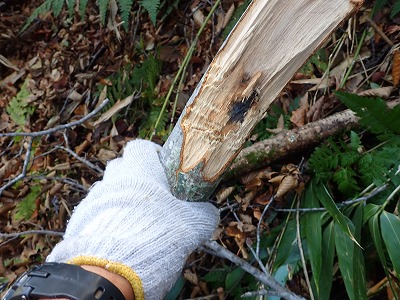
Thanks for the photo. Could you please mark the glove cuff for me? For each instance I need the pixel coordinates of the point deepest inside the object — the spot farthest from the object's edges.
(113, 267)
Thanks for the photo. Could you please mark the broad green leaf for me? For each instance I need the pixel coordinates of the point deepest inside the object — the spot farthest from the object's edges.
(377, 239)
(328, 252)
(341, 220)
(369, 211)
(358, 258)
(233, 278)
(345, 249)
(313, 234)
(286, 244)
(390, 225)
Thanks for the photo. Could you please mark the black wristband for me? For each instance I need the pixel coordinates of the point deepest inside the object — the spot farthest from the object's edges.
(59, 280)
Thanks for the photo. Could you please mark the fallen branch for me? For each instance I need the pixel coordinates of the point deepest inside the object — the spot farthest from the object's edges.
(293, 141)
(18, 234)
(59, 127)
(24, 168)
(31, 135)
(265, 278)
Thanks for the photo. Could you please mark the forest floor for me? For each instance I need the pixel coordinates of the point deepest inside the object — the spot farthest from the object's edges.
(59, 69)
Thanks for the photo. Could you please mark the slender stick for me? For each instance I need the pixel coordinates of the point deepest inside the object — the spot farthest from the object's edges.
(265, 278)
(59, 127)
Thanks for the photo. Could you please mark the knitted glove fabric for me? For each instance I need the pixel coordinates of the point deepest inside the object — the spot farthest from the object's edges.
(132, 225)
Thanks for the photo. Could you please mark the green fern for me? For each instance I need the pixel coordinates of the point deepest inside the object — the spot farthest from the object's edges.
(45, 7)
(152, 7)
(103, 7)
(82, 7)
(27, 206)
(19, 108)
(374, 114)
(125, 6)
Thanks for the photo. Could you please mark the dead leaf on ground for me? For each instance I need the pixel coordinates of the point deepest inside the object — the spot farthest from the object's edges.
(298, 116)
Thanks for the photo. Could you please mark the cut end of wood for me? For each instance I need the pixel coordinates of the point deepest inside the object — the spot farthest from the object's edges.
(214, 134)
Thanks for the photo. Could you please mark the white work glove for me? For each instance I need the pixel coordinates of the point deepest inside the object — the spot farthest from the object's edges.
(132, 225)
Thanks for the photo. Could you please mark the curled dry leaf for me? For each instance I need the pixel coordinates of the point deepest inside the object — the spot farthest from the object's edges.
(9, 168)
(223, 194)
(298, 116)
(287, 184)
(383, 92)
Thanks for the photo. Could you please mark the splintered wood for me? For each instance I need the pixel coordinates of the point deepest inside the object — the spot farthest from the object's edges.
(269, 44)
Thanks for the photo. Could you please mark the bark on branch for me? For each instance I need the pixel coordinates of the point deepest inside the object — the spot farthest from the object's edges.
(269, 44)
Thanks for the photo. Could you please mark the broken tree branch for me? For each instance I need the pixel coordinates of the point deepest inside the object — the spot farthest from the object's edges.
(269, 44)
(286, 143)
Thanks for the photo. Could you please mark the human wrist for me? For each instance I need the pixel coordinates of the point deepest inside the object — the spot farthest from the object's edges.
(120, 282)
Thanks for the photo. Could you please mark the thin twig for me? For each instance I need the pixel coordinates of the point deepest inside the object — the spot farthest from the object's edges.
(300, 244)
(341, 204)
(265, 278)
(68, 181)
(259, 225)
(259, 293)
(257, 258)
(24, 168)
(380, 32)
(60, 127)
(81, 159)
(18, 234)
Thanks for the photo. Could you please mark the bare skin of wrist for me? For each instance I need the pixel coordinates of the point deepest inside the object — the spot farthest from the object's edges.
(120, 282)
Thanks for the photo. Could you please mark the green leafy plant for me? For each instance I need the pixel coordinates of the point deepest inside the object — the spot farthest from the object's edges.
(125, 6)
(19, 107)
(141, 78)
(344, 232)
(379, 4)
(27, 206)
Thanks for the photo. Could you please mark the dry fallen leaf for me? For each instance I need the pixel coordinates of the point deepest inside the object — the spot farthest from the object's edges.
(298, 116)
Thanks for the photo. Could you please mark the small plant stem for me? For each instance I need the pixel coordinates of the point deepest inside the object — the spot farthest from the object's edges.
(300, 244)
(259, 293)
(267, 279)
(356, 54)
(24, 167)
(259, 225)
(257, 258)
(81, 159)
(183, 66)
(178, 90)
(341, 204)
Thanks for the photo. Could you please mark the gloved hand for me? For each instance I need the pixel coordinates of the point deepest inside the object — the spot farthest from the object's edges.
(132, 225)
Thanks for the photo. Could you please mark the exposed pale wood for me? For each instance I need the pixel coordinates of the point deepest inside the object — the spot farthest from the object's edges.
(269, 44)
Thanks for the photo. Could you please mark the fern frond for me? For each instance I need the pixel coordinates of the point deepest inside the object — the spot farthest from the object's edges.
(373, 113)
(355, 141)
(152, 7)
(346, 182)
(70, 6)
(125, 7)
(103, 7)
(82, 7)
(57, 7)
(45, 7)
